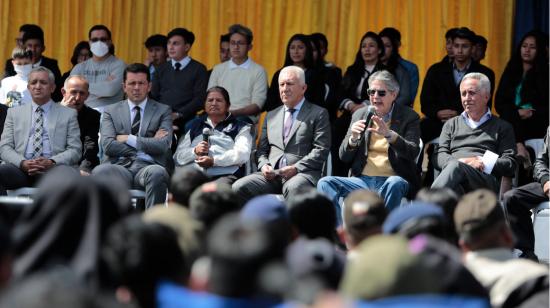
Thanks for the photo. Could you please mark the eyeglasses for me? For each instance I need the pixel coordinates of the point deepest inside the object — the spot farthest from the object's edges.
(371, 92)
(95, 39)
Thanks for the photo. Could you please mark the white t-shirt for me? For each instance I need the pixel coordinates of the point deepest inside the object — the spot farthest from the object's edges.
(14, 92)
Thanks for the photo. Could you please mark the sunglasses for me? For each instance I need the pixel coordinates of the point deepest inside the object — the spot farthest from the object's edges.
(371, 92)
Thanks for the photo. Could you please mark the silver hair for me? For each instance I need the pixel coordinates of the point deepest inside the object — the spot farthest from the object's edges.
(387, 78)
(79, 77)
(51, 77)
(297, 71)
(484, 83)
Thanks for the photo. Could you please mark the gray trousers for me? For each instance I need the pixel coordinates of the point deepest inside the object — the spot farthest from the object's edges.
(256, 184)
(154, 179)
(463, 178)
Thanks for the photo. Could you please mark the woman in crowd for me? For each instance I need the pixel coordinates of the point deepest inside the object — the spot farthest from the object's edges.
(81, 53)
(352, 94)
(391, 61)
(299, 52)
(522, 94)
(225, 148)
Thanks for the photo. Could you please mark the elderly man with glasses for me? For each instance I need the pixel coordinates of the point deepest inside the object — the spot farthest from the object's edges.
(382, 146)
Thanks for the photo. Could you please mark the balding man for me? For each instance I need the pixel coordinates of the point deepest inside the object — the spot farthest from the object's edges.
(75, 92)
(294, 144)
(37, 136)
(475, 147)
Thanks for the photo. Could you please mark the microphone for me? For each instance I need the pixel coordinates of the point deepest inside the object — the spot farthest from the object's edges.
(368, 117)
(206, 136)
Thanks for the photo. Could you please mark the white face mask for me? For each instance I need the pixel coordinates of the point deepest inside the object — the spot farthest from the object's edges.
(23, 70)
(99, 49)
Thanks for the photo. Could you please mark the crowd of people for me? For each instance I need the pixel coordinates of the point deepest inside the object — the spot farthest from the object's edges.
(305, 191)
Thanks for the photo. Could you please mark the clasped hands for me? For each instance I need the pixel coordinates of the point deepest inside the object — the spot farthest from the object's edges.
(202, 159)
(474, 162)
(285, 173)
(37, 165)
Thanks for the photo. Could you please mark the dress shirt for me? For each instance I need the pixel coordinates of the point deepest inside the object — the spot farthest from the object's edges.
(458, 74)
(183, 62)
(46, 148)
(132, 139)
(475, 124)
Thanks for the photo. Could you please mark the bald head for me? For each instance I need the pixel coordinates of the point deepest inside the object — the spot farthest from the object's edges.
(75, 92)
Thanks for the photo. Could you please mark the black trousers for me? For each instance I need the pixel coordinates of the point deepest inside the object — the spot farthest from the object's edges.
(11, 177)
(519, 202)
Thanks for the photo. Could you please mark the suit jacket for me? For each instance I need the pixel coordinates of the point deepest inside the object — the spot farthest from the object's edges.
(116, 120)
(402, 154)
(3, 113)
(62, 128)
(88, 120)
(308, 143)
(439, 90)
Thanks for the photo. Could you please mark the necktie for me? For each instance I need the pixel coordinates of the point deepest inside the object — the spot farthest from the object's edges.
(288, 124)
(177, 66)
(38, 130)
(136, 122)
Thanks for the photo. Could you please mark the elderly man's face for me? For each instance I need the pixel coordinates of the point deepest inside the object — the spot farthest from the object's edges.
(474, 100)
(380, 97)
(75, 93)
(41, 87)
(291, 89)
(216, 105)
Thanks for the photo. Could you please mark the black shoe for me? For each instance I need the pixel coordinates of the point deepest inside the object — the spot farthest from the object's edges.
(530, 255)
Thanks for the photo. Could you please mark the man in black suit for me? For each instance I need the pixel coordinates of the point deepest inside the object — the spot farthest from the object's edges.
(33, 40)
(75, 92)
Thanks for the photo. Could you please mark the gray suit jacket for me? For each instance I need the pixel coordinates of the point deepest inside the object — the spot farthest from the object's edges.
(62, 128)
(308, 145)
(116, 121)
(402, 154)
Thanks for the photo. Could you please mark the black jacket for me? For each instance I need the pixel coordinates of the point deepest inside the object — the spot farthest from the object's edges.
(439, 90)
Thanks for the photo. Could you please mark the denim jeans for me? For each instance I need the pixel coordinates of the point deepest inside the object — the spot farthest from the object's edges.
(392, 189)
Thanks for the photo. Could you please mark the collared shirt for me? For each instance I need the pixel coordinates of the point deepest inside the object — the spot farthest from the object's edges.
(46, 148)
(475, 124)
(297, 110)
(245, 64)
(132, 139)
(458, 74)
(183, 62)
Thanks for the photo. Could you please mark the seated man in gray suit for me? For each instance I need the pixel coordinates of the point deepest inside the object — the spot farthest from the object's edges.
(136, 135)
(294, 145)
(37, 136)
(475, 148)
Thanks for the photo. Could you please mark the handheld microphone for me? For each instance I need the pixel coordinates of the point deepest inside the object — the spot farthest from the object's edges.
(370, 113)
(206, 135)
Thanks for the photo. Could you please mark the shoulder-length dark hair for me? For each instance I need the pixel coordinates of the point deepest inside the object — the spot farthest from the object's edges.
(77, 49)
(308, 60)
(359, 64)
(541, 39)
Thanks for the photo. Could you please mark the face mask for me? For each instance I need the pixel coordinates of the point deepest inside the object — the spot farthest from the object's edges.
(23, 70)
(99, 49)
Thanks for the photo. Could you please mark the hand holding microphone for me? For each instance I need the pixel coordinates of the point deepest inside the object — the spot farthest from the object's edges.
(202, 148)
(358, 128)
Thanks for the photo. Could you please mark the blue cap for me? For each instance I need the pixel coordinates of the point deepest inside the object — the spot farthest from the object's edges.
(415, 210)
(266, 208)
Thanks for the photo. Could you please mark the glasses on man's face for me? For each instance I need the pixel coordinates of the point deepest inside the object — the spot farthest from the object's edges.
(96, 39)
(371, 92)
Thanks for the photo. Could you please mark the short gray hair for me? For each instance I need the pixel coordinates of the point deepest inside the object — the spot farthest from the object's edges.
(79, 77)
(484, 83)
(387, 78)
(297, 71)
(38, 69)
